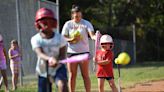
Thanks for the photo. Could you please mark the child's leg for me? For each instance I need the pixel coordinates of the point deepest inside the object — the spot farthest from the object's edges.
(72, 71)
(112, 85)
(61, 79)
(42, 84)
(14, 80)
(3, 68)
(62, 86)
(1, 81)
(13, 84)
(84, 67)
(14, 66)
(3, 72)
(101, 84)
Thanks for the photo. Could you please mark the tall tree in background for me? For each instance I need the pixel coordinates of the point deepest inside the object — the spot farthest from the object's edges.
(116, 17)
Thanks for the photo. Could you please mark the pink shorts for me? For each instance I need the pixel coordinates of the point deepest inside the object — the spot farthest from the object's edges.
(14, 66)
(3, 65)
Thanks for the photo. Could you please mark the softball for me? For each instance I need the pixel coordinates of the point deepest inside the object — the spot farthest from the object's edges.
(116, 61)
(123, 58)
(75, 34)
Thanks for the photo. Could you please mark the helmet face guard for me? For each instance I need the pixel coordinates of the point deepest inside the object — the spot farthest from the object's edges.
(45, 19)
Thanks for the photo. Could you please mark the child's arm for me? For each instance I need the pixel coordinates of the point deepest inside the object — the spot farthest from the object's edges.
(62, 54)
(4, 51)
(12, 56)
(41, 54)
(103, 62)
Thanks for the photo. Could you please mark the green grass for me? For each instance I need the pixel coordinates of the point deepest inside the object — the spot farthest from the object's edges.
(130, 75)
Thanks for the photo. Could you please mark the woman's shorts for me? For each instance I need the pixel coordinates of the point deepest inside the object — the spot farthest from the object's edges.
(74, 54)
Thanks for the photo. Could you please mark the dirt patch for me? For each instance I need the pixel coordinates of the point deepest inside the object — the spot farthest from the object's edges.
(152, 86)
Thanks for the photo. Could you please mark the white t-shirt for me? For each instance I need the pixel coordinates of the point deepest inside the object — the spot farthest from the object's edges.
(50, 47)
(83, 27)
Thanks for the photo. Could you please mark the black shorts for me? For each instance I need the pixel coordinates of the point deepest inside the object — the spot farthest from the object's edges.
(74, 54)
(107, 78)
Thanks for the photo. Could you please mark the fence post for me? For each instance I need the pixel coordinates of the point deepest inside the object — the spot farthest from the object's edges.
(19, 37)
(134, 43)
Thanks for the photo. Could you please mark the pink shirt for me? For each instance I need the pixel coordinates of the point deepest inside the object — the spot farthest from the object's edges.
(15, 52)
(2, 55)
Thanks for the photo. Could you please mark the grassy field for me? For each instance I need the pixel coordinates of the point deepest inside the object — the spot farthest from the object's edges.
(130, 75)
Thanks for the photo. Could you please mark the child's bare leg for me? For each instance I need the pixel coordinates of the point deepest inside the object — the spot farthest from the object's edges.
(13, 84)
(101, 84)
(16, 80)
(3, 72)
(84, 66)
(1, 82)
(112, 85)
(62, 86)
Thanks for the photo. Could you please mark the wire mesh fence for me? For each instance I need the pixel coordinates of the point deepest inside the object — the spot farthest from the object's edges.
(26, 10)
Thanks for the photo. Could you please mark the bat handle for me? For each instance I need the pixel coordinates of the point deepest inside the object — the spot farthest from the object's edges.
(47, 80)
(119, 78)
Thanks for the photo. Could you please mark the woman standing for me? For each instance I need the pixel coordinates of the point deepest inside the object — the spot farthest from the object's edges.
(76, 32)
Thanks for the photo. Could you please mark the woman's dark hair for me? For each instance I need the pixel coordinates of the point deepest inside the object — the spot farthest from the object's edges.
(75, 8)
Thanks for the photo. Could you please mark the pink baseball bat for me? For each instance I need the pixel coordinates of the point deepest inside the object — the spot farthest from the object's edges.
(97, 45)
(76, 58)
(97, 41)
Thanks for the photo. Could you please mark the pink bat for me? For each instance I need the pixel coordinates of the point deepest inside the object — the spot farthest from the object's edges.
(97, 41)
(76, 58)
(97, 46)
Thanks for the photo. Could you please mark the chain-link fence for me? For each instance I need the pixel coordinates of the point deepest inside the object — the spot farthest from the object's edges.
(17, 22)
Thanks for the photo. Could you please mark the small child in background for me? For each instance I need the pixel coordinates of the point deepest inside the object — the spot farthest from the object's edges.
(15, 58)
(3, 67)
(104, 59)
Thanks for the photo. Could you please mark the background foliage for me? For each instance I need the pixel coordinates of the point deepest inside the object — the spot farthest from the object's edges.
(116, 17)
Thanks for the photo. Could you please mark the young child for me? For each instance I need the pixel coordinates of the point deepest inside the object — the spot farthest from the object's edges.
(15, 60)
(3, 67)
(104, 59)
(50, 47)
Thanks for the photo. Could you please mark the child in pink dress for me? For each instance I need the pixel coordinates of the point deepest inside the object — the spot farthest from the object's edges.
(15, 58)
(3, 66)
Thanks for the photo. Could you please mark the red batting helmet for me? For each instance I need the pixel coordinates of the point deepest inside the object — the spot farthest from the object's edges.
(44, 13)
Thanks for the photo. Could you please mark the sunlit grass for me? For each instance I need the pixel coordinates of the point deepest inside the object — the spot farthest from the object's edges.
(130, 75)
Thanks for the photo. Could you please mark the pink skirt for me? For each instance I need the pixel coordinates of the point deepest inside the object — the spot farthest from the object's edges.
(14, 66)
